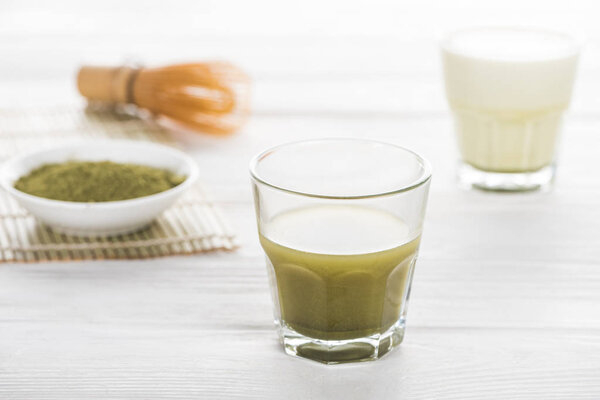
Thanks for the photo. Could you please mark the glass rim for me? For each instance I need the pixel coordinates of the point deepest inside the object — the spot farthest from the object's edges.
(424, 177)
(576, 38)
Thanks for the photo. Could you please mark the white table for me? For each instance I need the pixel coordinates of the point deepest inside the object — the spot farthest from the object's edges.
(506, 297)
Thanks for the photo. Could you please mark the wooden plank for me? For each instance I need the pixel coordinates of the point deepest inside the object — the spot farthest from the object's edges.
(237, 17)
(455, 363)
(201, 328)
(507, 293)
(578, 173)
(353, 97)
(445, 364)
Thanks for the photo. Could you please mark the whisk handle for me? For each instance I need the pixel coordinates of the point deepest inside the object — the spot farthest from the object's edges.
(110, 84)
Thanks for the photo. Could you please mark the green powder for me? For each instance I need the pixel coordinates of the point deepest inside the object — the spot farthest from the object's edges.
(85, 181)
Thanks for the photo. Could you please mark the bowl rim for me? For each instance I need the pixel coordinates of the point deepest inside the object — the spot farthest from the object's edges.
(104, 205)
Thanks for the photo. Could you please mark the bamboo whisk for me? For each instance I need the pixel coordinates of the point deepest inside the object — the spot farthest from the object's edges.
(210, 97)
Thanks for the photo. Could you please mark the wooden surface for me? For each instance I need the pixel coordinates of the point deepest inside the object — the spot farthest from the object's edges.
(506, 297)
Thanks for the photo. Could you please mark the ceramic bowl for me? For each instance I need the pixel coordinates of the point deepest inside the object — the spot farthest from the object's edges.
(102, 218)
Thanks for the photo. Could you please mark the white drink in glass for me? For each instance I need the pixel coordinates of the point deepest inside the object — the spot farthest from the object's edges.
(508, 89)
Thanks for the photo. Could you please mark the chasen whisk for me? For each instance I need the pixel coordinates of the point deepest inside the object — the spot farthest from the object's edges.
(210, 97)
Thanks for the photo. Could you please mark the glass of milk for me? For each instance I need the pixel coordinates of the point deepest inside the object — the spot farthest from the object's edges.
(508, 89)
(340, 222)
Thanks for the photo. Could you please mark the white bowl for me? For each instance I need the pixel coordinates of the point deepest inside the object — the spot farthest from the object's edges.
(102, 218)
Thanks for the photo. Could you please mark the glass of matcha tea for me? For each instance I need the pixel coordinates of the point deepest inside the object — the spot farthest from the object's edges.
(508, 89)
(340, 221)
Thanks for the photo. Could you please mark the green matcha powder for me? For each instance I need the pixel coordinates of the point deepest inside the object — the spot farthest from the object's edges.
(84, 181)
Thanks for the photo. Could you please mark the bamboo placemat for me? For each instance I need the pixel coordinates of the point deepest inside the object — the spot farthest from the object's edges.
(193, 225)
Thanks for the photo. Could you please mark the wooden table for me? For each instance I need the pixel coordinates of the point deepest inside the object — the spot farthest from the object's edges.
(506, 297)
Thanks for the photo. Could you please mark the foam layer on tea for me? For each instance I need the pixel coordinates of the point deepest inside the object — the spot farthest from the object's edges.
(511, 44)
(340, 230)
(341, 272)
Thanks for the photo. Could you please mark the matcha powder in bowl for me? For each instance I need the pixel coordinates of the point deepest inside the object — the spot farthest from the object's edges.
(88, 181)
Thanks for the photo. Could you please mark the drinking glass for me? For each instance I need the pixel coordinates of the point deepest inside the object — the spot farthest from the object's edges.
(508, 89)
(340, 221)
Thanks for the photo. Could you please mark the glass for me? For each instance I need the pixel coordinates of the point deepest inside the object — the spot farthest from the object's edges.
(340, 221)
(508, 89)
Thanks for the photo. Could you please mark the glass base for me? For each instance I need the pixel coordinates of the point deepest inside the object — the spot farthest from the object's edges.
(471, 177)
(368, 348)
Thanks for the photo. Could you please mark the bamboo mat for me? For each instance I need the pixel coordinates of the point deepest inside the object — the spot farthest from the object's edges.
(193, 225)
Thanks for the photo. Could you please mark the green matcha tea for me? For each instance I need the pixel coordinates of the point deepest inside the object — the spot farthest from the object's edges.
(96, 181)
(342, 272)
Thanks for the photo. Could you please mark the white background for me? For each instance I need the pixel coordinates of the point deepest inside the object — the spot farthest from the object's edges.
(506, 299)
